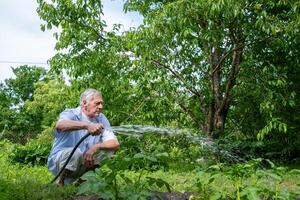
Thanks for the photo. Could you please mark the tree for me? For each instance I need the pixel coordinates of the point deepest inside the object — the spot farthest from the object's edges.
(200, 47)
(267, 102)
(50, 98)
(177, 63)
(87, 53)
(21, 88)
(5, 104)
(14, 93)
(93, 57)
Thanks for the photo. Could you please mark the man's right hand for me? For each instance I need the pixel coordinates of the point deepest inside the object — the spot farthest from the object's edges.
(95, 129)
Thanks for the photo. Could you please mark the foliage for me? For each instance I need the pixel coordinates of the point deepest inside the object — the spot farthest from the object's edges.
(50, 98)
(124, 177)
(23, 182)
(89, 54)
(5, 104)
(35, 152)
(112, 183)
(117, 178)
(267, 100)
(154, 151)
(197, 57)
(21, 88)
(14, 93)
(218, 63)
(248, 181)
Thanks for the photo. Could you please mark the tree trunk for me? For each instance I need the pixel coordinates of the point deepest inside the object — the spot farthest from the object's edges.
(220, 102)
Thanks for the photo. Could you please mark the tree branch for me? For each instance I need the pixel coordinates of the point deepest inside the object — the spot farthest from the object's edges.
(190, 113)
(75, 21)
(94, 30)
(177, 75)
(236, 61)
(223, 58)
(216, 76)
(137, 108)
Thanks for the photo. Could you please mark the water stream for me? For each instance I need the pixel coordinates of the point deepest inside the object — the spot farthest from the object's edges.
(202, 141)
(140, 129)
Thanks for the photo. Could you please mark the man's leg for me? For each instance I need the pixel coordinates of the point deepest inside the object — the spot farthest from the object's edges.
(65, 174)
(73, 169)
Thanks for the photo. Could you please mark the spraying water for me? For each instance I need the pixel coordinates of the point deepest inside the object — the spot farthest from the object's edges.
(139, 129)
(196, 138)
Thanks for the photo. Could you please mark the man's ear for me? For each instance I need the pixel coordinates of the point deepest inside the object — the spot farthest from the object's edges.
(84, 102)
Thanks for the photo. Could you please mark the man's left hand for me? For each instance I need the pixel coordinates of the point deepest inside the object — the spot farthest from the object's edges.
(89, 157)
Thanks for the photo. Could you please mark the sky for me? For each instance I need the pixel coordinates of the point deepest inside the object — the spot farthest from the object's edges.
(22, 41)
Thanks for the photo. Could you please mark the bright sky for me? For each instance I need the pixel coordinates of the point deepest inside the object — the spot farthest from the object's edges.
(22, 41)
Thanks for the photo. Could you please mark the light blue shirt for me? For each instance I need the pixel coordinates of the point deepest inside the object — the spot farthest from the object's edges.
(64, 140)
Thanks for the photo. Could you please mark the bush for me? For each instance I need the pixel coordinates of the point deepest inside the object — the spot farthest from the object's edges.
(34, 152)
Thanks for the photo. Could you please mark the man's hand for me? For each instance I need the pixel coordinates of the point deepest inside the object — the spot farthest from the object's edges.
(95, 129)
(89, 157)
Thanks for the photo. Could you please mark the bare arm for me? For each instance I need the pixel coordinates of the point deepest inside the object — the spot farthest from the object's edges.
(70, 125)
(109, 145)
(112, 145)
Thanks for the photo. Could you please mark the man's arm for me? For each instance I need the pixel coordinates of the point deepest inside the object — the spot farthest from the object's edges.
(70, 125)
(111, 145)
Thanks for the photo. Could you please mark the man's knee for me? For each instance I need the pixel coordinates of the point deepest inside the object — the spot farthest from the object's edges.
(73, 162)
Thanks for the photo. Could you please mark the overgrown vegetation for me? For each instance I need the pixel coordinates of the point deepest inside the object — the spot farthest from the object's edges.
(228, 71)
(147, 165)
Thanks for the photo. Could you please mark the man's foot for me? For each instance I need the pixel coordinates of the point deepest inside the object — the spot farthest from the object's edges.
(61, 182)
(63, 176)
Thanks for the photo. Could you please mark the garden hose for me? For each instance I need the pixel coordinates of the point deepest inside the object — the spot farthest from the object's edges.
(70, 156)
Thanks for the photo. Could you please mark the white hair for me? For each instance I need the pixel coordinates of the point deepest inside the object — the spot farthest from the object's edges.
(88, 95)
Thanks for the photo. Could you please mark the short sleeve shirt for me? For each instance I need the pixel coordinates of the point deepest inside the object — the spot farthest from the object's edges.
(64, 140)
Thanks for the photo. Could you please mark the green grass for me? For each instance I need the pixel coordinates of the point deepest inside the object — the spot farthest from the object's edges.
(224, 183)
(240, 181)
(20, 182)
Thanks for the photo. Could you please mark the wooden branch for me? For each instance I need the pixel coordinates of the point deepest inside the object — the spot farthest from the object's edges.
(75, 21)
(190, 113)
(177, 75)
(223, 58)
(210, 119)
(93, 29)
(201, 22)
(236, 61)
(136, 109)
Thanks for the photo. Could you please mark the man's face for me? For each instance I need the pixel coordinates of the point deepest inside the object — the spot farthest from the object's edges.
(93, 107)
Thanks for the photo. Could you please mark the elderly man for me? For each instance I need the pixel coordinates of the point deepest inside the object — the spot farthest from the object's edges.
(72, 125)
